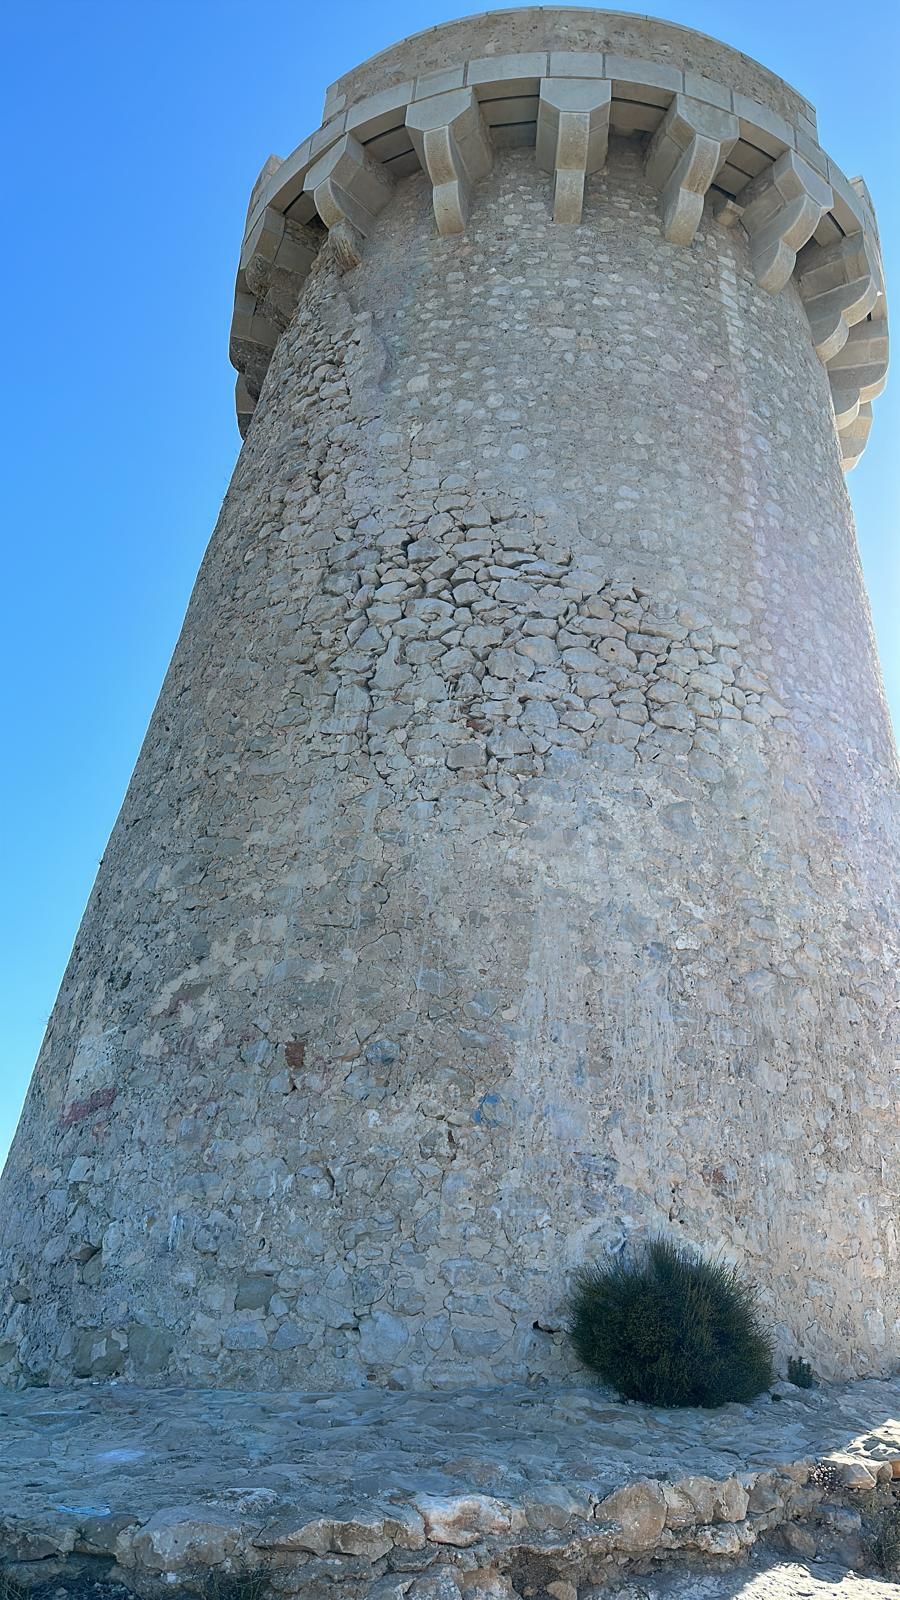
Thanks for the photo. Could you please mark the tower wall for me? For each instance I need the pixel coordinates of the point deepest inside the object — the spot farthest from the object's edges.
(507, 871)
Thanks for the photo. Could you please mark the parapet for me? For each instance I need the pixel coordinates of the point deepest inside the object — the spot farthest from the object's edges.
(715, 127)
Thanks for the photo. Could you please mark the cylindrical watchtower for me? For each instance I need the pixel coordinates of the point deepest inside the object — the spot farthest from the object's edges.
(508, 866)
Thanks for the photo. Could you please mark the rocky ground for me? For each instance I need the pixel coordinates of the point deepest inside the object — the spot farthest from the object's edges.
(766, 1579)
(541, 1493)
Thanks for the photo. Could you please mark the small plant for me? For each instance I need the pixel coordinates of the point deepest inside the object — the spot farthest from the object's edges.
(235, 1586)
(10, 1587)
(826, 1475)
(670, 1328)
(882, 1537)
(800, 1372)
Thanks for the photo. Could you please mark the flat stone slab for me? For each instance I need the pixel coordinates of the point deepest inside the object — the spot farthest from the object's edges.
(498, 1491)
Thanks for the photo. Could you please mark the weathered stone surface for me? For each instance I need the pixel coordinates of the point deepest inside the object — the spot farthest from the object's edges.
(382, 1338)
(463, 1519)
(639, 1512)
(377, 1493)
(180, 1537)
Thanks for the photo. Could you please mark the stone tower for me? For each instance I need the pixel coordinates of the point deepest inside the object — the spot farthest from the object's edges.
(507, 870)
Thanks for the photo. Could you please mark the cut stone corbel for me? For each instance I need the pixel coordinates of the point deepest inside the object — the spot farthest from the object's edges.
(727, 212)
(244, 405)
(251, 326)
(839, 287)
(781, 210)
(275, 263)
(858, 373)
(349, 189)
(253, 338)
(572, 138)
(275, 244)
(452, 142)
(688, 149)
(854, 436)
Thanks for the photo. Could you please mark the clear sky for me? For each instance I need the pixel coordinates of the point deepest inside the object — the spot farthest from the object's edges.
(134, 130)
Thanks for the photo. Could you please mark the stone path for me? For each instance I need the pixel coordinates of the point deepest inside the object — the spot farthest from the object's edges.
(767, 1580)
(500, 1491)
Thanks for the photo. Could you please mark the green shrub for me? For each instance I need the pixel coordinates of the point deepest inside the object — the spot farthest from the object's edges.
(800, 1372)
(669, 1328)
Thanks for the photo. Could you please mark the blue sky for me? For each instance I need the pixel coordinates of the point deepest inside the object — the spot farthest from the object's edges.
(134, 131)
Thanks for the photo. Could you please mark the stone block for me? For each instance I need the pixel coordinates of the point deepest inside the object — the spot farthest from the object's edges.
(577, 64)
(780, 211)
(811, 151)
(349, 189)
(181, 1537)
(463, 1520)
(639, 1511)
(839, 286)
(507, 75)
(380, 112)
(382, 1338)
(327, 135)
(439, 81)
(700, 88)
(453, 145)
(690, 146)
(761, 126)
(637, 79)
(854, 436)
(572, 138)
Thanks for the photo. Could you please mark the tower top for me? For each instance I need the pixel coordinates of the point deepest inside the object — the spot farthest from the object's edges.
(542, 29)
(716, 127)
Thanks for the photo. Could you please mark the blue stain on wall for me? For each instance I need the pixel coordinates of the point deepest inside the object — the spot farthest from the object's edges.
(482, 1114)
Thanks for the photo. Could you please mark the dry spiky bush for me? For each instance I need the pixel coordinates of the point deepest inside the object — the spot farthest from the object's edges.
(670, 1328)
